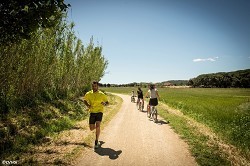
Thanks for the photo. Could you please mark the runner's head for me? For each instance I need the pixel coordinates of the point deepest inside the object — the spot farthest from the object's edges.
(95, 86)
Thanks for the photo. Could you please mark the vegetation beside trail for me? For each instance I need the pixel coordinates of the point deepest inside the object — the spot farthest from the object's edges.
(224, 112)
(41, 79)
(29, 126)
(52, 65)
(56, 134)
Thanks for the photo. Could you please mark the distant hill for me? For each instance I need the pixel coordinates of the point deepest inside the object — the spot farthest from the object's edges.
(235, 79)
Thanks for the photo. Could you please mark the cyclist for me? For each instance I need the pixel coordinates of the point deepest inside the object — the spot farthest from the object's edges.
(133, 96)
(154, 96)
(140, 96)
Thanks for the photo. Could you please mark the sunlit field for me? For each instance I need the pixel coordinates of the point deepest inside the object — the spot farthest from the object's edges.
(225, 111)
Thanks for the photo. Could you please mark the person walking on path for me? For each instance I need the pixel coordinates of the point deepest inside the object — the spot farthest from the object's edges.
(95, 100)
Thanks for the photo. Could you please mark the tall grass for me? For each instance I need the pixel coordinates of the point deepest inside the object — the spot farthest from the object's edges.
(28, 126)
(226, 111)
(53, 64)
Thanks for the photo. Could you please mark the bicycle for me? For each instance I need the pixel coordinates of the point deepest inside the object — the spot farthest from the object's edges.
(152, 114)
(133, 99)
(139, 105)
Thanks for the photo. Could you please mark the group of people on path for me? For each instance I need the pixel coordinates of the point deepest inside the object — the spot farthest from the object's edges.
(152, 93)
(95, 100)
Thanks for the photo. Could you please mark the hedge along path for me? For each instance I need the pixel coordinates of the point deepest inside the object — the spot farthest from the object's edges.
(232, 153)
(64, 147)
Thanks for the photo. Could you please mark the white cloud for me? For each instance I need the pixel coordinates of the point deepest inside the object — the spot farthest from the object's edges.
(207, 59)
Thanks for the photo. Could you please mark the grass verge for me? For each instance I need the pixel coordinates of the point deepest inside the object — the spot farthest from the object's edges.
(49, 134)
(23, 128)
(205, 146)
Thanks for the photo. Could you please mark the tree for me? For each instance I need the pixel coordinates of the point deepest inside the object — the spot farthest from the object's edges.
(20, 18)
(237, 79)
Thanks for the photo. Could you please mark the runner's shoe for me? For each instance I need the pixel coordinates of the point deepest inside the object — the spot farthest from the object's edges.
(97, 145)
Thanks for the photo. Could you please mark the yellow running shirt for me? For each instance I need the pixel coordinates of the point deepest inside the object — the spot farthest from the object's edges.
(95, 99)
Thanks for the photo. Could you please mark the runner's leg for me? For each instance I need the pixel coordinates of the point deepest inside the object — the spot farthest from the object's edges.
(98, 129)
(92, 127)
(92, 122)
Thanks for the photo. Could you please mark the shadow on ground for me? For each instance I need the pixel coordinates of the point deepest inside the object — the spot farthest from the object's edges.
(162, 122)
(107, 152)
(159, 122)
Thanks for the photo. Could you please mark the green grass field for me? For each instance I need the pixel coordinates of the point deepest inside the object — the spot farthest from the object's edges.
(225, 111)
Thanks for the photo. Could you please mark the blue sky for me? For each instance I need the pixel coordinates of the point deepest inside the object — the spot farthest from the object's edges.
(160, 40)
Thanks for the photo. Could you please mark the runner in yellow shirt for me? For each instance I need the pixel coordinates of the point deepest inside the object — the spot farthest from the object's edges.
(95, 100)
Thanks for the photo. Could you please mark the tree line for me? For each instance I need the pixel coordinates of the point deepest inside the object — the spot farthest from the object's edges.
(52, 64)
(235, 79)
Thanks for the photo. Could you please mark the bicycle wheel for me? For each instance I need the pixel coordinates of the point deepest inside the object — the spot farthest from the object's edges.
(154, 115)
(148, 113)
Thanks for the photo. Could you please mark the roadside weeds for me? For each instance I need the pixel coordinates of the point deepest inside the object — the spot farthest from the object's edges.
(65, 146)
(208, 138)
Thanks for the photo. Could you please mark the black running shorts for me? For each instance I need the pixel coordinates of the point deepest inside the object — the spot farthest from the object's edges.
(153, 102)
(95, 117)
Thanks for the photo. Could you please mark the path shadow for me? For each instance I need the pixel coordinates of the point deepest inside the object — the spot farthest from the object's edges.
(108, 152)
(161, 122)
(64, 143)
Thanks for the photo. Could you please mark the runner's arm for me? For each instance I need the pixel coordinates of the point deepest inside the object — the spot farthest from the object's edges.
(86, 103)
(105, 103)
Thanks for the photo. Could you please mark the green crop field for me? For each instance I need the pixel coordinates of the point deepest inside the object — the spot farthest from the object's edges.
(225, 111)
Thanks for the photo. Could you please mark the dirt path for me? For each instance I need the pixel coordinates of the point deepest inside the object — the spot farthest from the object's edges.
(132, 139)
